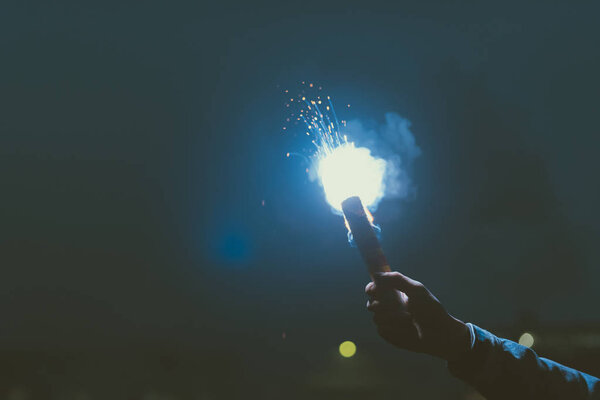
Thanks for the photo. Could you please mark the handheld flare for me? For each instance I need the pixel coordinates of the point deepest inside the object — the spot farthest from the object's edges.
(368, 244)
(364, 236)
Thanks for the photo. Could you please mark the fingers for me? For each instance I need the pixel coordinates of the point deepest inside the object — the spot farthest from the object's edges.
(400, 282)
(375, 305)
(388, 314)
(391, 318)
(378, 306)
(406, 338)
(372, 290)
(400, 323)
(393, 323)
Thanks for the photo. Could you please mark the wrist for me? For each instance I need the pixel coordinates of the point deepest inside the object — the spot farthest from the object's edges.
(459, 340)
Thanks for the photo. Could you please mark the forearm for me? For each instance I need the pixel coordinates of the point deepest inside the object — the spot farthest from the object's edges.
(502, 369)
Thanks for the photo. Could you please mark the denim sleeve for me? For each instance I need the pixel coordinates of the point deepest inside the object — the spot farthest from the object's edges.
(502, 369)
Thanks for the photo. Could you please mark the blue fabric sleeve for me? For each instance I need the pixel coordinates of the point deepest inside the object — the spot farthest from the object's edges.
(502, 369)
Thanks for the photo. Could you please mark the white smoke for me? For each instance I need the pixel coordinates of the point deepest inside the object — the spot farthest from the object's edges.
(395, 143)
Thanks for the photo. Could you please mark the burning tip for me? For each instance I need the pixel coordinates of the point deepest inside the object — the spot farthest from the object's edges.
(348, 171)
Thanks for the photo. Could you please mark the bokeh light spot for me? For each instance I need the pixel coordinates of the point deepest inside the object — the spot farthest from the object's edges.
(526, 340)
(347, 349)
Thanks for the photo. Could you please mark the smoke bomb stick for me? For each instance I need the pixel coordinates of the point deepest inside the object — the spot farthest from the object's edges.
(368, 245)
(364, 236)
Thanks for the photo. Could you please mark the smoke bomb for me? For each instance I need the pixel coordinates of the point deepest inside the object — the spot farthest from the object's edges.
(364, 236)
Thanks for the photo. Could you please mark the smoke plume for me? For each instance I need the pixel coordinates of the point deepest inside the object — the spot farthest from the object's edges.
(394, 142)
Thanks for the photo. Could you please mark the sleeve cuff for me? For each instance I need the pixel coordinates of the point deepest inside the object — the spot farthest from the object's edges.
(472, 333)
(476, 364)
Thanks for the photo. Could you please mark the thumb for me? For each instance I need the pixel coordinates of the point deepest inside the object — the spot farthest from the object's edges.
(400, 282)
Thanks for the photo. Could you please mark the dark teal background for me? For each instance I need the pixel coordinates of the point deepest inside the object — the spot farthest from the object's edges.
(139, 140)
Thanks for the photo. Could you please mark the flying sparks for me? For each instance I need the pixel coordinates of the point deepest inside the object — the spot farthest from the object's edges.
(343, 169)
(352, 178)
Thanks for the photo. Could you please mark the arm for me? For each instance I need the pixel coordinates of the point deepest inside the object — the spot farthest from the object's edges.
(500, 369)
(497, 368)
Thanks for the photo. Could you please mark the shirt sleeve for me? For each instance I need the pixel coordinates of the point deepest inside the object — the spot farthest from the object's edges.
(502, 369)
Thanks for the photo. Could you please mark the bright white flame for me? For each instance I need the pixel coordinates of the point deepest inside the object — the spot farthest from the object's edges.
(348, 171)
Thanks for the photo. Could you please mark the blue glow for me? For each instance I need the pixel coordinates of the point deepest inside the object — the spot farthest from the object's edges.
(234, 247)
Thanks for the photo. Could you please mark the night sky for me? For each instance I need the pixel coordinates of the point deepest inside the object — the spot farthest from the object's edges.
(150, 218)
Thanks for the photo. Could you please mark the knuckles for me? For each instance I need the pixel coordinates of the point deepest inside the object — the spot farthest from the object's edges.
(420, 288)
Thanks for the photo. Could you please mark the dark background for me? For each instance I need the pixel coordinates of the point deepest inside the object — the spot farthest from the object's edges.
(139, 141)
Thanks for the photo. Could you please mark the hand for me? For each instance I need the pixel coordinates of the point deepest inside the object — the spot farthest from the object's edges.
(416, 320)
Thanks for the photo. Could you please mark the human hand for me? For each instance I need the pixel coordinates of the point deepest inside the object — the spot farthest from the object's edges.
(416, 320)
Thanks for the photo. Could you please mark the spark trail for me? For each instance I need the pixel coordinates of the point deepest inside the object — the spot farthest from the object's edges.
(343, 169)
